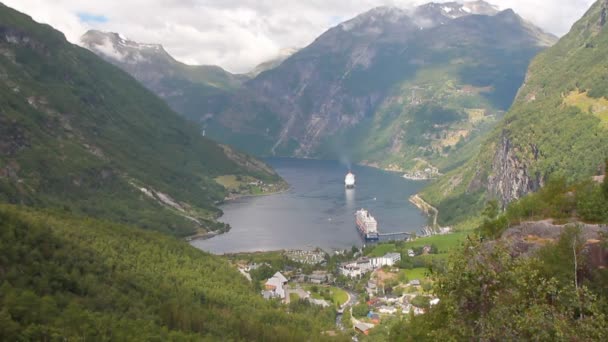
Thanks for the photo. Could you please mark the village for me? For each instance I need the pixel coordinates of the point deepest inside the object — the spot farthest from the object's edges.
(366, 287)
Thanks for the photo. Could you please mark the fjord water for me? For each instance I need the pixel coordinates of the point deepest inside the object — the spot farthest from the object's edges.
(317, 211)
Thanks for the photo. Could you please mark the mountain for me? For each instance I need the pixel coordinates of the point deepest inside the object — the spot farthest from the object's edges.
(399, 89)
(79, 135)
(181, 86)
(69, 278)
(556, 127)
(272, 63)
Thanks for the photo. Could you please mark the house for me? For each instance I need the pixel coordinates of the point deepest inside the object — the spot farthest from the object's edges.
(371, 288)
(390, 298)
(350, 270)
(410, 253)
(319, 277)
(363, 328)
(415, 282)
(434, 301)
(389, 310)
(393, 257)
(275, 286)
(356, 268)
(426, 249)
(389, 259)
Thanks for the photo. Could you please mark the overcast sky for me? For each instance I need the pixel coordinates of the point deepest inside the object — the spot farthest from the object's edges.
(239, 34)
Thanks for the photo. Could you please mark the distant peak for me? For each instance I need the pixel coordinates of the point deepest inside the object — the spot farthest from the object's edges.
(455, 10)
(117, 46)
(377, 15)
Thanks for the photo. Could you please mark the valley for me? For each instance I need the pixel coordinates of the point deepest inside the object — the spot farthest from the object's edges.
(154, 195)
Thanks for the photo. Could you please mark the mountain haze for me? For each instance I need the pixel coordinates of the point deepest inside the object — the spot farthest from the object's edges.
(392, 88)
(80, 135)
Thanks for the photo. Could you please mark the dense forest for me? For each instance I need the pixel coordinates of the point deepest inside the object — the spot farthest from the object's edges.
(71, 278)
(78, 133)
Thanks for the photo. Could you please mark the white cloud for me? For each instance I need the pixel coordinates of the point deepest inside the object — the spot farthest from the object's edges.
(239, 34)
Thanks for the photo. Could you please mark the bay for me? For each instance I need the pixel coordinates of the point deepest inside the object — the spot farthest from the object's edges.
(317, 211)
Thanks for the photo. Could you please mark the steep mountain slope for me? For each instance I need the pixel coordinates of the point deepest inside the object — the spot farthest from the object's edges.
(557, 125)
(391, 87)
(67, 278)
(186, 88)
(80, 134)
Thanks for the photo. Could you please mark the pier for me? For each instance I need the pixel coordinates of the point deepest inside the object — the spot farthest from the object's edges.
(397, 236)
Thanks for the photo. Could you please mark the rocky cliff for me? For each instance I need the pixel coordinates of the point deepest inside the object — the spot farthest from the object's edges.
(394, 88)
(556, 127)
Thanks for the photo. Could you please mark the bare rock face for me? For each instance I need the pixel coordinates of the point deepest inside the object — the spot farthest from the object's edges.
(349, 74)
(511, 178)
(529, 237)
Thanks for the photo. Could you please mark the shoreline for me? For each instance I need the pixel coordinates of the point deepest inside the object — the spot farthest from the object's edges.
(425, 207)
(237, 197)
(214, 233)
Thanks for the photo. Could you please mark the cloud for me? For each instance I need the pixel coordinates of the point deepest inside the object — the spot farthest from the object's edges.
(239, 34)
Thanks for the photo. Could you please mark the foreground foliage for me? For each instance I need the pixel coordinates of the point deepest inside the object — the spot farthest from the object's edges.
(490, 294)
(63, 277)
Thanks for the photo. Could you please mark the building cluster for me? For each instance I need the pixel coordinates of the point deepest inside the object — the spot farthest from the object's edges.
(306, 257)
(361, 266)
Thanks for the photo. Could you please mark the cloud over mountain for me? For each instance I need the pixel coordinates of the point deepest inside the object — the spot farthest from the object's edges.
(239, 34)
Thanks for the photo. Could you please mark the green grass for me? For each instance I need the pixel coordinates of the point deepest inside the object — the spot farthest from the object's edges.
(416, 273)
(444, 244)
(382, 249)
(337, 295)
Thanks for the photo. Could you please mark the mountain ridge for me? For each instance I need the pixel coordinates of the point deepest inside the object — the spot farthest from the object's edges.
(80, 134)
(324, 90)
(555, 127)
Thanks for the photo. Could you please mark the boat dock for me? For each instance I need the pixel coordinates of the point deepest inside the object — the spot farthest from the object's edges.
(397, 236)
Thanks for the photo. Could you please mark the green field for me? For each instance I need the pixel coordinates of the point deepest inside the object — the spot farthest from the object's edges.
(444, 244)
(335, 295)
(416, 273)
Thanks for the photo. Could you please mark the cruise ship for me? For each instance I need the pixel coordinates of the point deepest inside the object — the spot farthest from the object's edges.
(349, 180)
(367, 225)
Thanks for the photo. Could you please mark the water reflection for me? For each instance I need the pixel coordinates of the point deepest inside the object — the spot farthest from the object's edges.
(317, 211)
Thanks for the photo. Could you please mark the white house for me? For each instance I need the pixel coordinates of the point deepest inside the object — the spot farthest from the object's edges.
(410, 253)
(356, 268)
(387, 310)
(350, 271)
(389, 259)
(434, 301)
(275, 286)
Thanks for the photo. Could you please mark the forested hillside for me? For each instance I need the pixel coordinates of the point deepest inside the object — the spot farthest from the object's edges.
(557, 127)
(71, 278)
(518, 279)
(79, 134)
